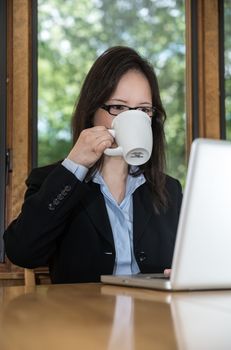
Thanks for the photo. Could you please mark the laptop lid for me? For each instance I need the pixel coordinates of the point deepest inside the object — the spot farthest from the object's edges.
(202, 257)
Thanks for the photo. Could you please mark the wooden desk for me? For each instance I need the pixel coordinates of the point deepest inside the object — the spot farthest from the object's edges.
(94, 316)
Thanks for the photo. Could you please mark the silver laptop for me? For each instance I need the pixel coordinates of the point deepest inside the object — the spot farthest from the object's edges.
(202, 254)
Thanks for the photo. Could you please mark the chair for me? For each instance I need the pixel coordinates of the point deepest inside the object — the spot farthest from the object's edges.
(29, 277)
(36, 276)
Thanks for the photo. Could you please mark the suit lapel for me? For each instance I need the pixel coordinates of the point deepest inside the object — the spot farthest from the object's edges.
(142, 210)
(96, 209)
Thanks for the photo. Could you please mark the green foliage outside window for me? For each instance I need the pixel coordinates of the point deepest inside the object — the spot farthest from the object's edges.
(73, 33)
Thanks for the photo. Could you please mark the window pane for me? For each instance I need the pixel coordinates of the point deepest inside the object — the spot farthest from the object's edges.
(227, 38)
(73, 33)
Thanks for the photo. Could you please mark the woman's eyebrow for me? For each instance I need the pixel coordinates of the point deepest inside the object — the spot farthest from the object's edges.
(124, 101)
(117, 99)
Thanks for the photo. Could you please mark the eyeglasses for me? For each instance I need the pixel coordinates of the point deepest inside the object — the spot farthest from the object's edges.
(117, 109)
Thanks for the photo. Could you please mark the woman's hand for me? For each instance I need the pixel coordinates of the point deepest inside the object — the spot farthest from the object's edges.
(90, 146)
(167, 272)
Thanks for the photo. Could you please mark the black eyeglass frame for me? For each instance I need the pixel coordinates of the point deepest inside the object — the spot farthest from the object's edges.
(108, 107)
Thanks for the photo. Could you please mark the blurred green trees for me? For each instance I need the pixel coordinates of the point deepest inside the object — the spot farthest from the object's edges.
(73, 33)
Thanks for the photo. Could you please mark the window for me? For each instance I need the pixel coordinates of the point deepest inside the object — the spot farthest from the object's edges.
(73, 33)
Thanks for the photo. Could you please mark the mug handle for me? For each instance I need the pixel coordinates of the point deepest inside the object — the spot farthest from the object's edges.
(113, 151)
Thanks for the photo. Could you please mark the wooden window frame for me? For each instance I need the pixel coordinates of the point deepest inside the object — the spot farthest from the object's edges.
(21, 112)
(3, 94)
(204, 69)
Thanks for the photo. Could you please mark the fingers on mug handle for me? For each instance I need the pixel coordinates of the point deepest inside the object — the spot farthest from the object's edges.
(111, 131)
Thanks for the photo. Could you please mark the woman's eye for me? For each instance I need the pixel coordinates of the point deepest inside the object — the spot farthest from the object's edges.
(118, 107)
(145, 109)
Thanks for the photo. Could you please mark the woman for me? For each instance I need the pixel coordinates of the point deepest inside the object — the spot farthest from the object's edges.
(93, 214)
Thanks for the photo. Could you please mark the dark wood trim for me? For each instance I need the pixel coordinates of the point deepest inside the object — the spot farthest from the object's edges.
(3, 94)
(208, 73)
(33, 135)
(194, 55)
(222, 68)
(203, 70)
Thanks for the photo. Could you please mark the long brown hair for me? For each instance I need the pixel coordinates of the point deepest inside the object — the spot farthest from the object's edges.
(100, 83)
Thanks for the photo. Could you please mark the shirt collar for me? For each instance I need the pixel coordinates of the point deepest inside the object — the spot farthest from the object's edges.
(133, 182)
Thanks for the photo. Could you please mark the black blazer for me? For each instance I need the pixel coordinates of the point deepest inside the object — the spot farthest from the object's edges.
(64, 224)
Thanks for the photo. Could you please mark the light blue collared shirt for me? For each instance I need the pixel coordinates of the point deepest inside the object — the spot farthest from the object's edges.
(120, 217)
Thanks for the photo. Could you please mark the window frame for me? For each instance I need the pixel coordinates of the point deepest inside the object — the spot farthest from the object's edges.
(3, 94)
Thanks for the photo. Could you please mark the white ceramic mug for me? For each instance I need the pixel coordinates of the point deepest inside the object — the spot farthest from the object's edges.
(133, 135)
